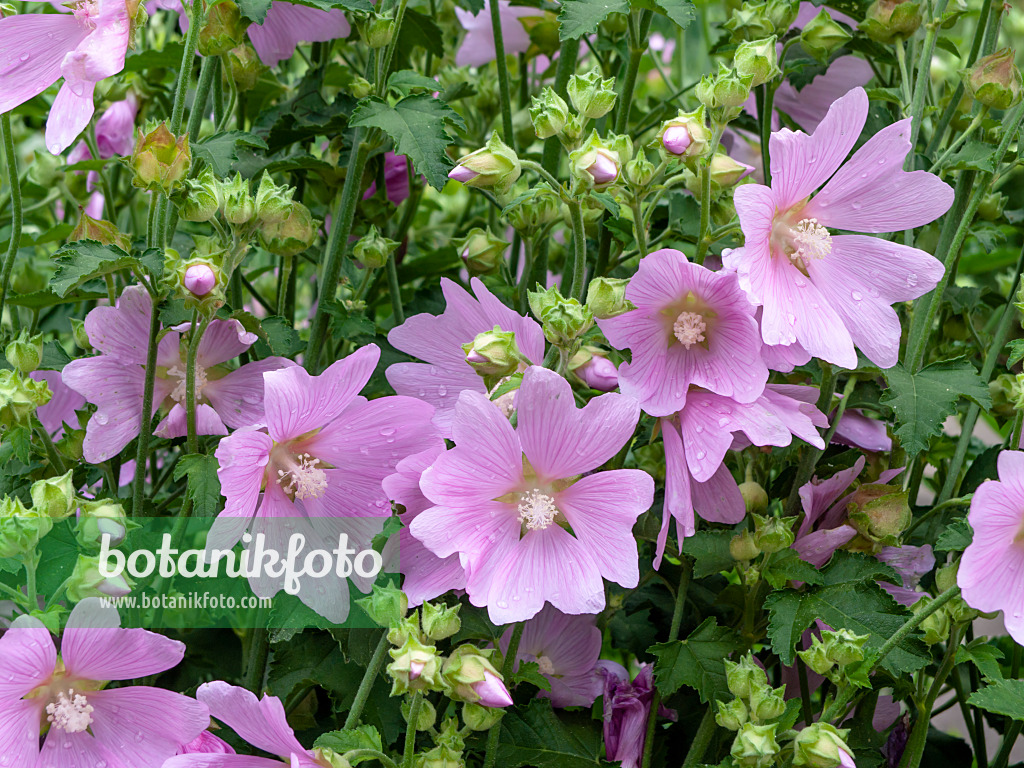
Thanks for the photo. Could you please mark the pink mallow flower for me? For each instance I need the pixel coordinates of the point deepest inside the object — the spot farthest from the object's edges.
(260, 722)
(396, 179)
(114, 379)
(991, 574)
(206, 744)
(62, 406)
(477, 47)
(83, 47)
(697, 439)
(566, 650)
(438, 341)
(833, 292)
(690, 326)
(627, 707)
(426, 575)
(511, 502)
(320, 464)
(86, 724)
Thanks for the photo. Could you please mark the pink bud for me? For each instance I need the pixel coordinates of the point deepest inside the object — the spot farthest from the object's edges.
(415, 669)
(462, 173)
(475, 357)
(112, 528)
(206, 743)
(599, 373)
(604, 169)
(492, 691)
(846, 759)
(200, 279)
(676, 139)
(116, 586)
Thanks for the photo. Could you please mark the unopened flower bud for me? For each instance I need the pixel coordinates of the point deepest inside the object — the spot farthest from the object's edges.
(564, 320)
(549, 114)
(101, 231)
(936, 625)
(533, 210)
(200, 279)
(416, 667)
(887, 21)
(493, 353)
(744, 676)
(378, 30)
(598, 373)
(44, 169)
(360, 87)
(822, 36)
(596, 164)
(19, 398)
(725, 172)
(478, 717)
(441, 757)
(440, 621)
(755, 746)
(742, 547)
(757, 59)
(202, 198)
(992, 206)
(100, 519)
(244, 66)
(880, 513)
(472, 677)
(733, 715)
(755, 498)
(817, 658)
(161, 162)
(79, 334)
(994, 80)
(592, 95)
(750, 22)
(820, 745)
(606, 297)
(25, 353)
(273, 203)
(640, 171)
(21, 528)
(726, 91)
(87, 581)
(773, 534)
(223, 30)
(28, 279)
(386, 605)
(494, 165)
(291, 236)
(481, 251)
(427, 714)
(373, 249)
(54, 496)
(766, 703)
(781, 14)
(945, 577)
(237, 204)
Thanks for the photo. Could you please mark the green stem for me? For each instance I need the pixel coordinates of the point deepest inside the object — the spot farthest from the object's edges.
(637, 49)
(382, 74)
(921, 84)
(409, 751)
(195, 117)
(503, 87)
(146, 420)
(366, 684)
(51, 450)
(395, 290)
(638, 228)
(978, 118)
(901, 58)
(353, 755)
(767, 104)
(195, 337)
(919, 735)
(14, 180)
(494, 734)
(702, 739)
(259, 653)
(31, 563)
(805, 470)
(703, 239)
(1002, 757)
(579, 247)
(541, 171)
(915, 621)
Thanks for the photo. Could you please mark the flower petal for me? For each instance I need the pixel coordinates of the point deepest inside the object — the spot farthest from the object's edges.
(242, 458)
(719, 499)
(19, 730)
(175, 424)
(27, 658)
(238, 397)
(70, 114)
(223, 340)
(288, 24)
(260, 722)
(148, 725)
(32, 47)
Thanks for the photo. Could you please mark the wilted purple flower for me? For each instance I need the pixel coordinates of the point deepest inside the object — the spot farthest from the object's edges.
(396, 179)
(911, 563)
(627, 707)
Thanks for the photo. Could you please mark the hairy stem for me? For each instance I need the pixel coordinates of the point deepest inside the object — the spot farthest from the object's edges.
(14, 180)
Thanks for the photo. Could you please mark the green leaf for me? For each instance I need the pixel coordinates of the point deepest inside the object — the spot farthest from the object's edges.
(417, 126)
(984, 656)
(54, 357)
(254, 10)
(853, 567)
(923, 400)
(710, 552)
(406, 80)
(221, 149)
(973, 156)
(363, 6)
(362, 737)
(282, 339)
(786, 566)
(1005, 697)
(85, 260)
(47, 298)
(420, 30)
(203, 485)
(697, 662)
(581, 17)
(541, 738)
(956, 536)
(529, 672)
(17, 443)
(682, 12)
(984, 467)
(1016, 348)
(151, 59)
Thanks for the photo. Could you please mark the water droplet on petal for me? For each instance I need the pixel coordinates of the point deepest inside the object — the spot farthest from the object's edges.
(856, 296)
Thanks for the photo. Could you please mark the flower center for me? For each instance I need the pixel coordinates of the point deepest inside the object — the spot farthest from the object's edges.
(537, 510)
(302, 478)
(809, 241)
(544, 665)
(689, 328)
(72, 712)
(178, 393)
(85, 11)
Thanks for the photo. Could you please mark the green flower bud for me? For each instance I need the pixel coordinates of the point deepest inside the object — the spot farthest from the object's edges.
(817, 657)
(330, 758)
(360, 87)
(549, 114)
(994, 80)
(427, 714)
(822, 36)
(100, 518)
(725, 171)
(401, 630)
(773, 534)
(781, 14)
(19, 398)
(21, 528)
(244, 66)
(606, 297)
(87, 581)
(592, 95)
(199, 279)
(416, 667)
(54, 496)
(945, 577)
(596, 164)
(44, 169)
(742, 547)
(755, 498)
(386, 605)
(615, 24)
(888, 21)
(482, 251)
(79, 334)
(441, 757)
(564, 320)
(725, 91)
(750, 22)
(493, 353)
(880, 513)
(440, 621)
(101, 231)
(373, 249)
(202, 197)
(936, 626)
(820, 745)
(766, 704)
(572, 133)
(478, 718)
(291, 236)
(160, 161)
(273, 203)
(685, 136)
(640, 171)
(378, 30)
(469, 675)
(744, 676)
(844, 646)
(536, 208)
(223, 30)
(25, 352)
(992, 206)
(733, 715)
(237, 204)
(755, 746)
(495, 165)
(757, 59)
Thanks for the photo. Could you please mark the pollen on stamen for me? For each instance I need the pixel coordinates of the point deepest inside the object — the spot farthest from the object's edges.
(811, 240)
(305, 479)
(689, 328)
(72, 712)
(545, 666)
(537, 510)
(179, 391)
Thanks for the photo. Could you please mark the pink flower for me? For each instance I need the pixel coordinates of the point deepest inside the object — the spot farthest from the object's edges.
(396, 179)
(477, 47)
(438, 340)
(566, 650)
(88, 724)
(260, 722)
(114, 379)
(991, 568)
(426, 575)
(83, 48)
(911, 563)
(207, 744)
(506, 498)
(830, 293)
(858, 431)
(697, 439)
(321, 463)
(599, 373)
(627, 707)
(62, 406)
(690, 326)
(116, 127)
